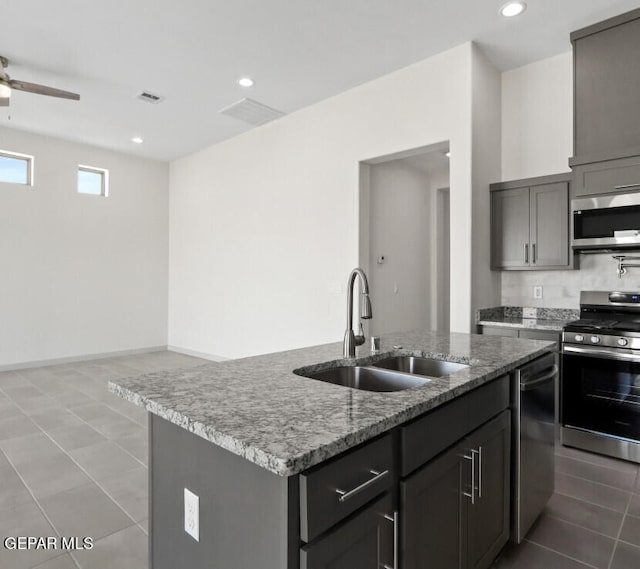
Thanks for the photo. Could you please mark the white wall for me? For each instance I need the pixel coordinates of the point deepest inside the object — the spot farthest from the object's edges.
(537, 118)
(486, 108)
(401, 230)
(264, 227)
(81, 274)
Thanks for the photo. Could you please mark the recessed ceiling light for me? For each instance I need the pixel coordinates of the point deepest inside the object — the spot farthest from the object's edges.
(511, 9)
(137, 140)
(246, 82)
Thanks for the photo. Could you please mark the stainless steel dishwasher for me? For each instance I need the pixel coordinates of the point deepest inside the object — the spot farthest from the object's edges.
(533, 453)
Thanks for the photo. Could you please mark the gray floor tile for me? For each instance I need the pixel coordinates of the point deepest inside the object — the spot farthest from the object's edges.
(144, 524)
(578, 543)
(51, 475)
(130, 490)
(61, 562)
(115, 426)
(9, 409)
(634, 507)
(626, 557)
(601, 474)
(91, 410)
(25, 521)
(71, 397)
(126, 549)
(528, 555)
(16, 426)
(13, 493)
(37, 446)
(605, 496)
(76, 436)
(137, 445)
(584, 514)
(55, 418)
(594, 458)
(11, 379)
(38, 404)
(85, 511)
(104, 459)
(631, 530)
(21, 393)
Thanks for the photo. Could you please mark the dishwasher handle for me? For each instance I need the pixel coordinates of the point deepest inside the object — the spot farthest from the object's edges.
(540, 380)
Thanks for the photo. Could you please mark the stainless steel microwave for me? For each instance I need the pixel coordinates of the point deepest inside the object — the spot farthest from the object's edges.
(606, 221)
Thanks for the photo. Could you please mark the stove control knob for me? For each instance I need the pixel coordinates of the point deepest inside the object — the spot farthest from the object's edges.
(622, 341)
(579, 338)
(595, 339)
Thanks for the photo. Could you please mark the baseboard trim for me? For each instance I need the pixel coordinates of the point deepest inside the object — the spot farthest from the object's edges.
(196, 354)
(82, 358)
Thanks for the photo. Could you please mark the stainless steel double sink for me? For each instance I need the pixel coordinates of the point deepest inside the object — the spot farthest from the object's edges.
(389, 374)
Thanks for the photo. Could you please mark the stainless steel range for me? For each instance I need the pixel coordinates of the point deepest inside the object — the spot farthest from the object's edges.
(600, 378)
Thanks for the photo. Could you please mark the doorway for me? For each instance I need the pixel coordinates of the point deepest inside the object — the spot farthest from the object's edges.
(405, 239)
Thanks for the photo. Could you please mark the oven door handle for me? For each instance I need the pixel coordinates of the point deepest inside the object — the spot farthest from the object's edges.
(615, 354)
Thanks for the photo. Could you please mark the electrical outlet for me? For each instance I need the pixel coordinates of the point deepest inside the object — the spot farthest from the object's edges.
(537, 292)
(192, 514)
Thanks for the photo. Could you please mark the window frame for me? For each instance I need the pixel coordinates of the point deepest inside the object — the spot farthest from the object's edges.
(28, 158)
(104, 173)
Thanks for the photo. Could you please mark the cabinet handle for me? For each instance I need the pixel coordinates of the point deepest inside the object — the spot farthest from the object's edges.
(393, 519)
(472, 458)
(345, 495)
(479, 472)
(533, 256)
(526, 253)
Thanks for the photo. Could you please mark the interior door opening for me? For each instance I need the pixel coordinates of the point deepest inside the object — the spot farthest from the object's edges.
(405, 239)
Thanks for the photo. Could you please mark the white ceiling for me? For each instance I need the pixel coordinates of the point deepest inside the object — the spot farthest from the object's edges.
(192, 52)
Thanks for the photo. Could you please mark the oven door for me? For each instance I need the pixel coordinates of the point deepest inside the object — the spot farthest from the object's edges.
(600, 390)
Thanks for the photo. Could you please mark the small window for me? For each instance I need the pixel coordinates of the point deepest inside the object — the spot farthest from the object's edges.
(16, 168)
(93, 181)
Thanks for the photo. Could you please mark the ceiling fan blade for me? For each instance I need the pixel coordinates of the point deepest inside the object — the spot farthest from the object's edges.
(42, 90)
(4, 101)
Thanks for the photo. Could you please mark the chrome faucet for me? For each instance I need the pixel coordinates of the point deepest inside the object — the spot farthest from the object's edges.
(350, 339)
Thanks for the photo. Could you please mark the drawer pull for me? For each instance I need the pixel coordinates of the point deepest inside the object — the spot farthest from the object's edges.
(345, 495)
(627, 186)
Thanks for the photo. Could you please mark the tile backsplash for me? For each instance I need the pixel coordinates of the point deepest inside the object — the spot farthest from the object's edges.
(561, 289)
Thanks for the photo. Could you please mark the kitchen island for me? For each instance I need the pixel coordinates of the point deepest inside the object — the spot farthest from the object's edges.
(261, 446)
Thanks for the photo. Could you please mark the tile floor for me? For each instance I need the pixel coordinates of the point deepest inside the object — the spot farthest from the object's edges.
(592, 521)
(73, 462)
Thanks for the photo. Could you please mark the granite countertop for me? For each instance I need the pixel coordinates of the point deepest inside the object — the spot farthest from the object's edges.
(553, 319)
(259, 409)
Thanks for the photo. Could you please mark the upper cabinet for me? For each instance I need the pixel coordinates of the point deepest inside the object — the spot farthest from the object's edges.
(530, 224)
(607, 106)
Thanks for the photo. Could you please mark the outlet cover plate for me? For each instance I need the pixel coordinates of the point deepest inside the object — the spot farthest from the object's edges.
(192, 514)
(537, 292)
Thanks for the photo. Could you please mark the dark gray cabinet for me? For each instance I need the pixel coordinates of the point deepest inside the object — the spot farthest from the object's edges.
(606, 87)
(365, 540)
(455, 509)
(530, 224)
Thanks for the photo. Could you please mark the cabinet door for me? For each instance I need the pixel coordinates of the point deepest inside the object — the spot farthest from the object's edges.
(510, 228)
(433, 513)
(365, 540)
(488, 519)
(607, 82)
(549, 223)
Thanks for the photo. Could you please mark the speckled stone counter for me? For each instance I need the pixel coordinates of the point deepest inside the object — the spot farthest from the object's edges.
(260, 410)
(553, 319)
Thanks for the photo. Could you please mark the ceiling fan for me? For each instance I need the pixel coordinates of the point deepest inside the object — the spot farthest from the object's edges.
(7, 84)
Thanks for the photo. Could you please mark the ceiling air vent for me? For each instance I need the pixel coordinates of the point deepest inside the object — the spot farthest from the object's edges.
(251, 111)
(150, 97)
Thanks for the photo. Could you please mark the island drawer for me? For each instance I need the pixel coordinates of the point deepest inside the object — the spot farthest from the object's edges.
(432, 433)
(338, 487)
